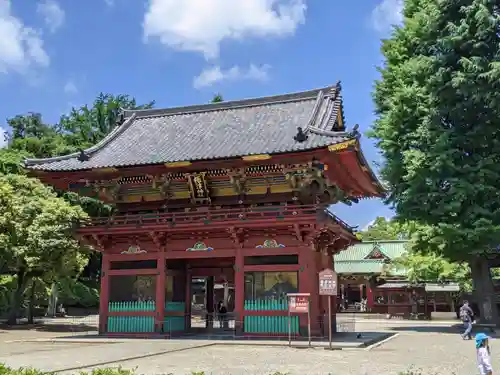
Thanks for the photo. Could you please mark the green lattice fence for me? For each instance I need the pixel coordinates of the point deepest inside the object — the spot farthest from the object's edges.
(273, 325)
(131, 324)
(174, 323)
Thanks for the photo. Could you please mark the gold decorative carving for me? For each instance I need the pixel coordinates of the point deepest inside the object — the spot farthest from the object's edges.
(108, 189)
(104, 170)
(178, 164)
(256, 157)
(341, 146)
(198, 186)
(165, 184)
(238, 181)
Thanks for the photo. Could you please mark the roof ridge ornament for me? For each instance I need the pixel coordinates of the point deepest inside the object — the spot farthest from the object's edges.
(355, 133)
(82, 156)
(301, 136)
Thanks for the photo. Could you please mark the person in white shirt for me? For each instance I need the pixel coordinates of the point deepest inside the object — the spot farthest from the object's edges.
(483, 354)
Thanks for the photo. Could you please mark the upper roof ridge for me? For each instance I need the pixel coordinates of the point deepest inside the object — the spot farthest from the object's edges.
(232, 104)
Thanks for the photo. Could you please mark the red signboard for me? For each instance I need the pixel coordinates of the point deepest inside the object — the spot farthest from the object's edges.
(328, 283)
(298, 303)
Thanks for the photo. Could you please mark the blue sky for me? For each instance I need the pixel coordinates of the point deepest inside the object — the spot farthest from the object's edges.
(55, 54)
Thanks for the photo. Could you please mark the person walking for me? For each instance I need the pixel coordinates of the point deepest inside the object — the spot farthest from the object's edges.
(466, 314)
(221, 312)
(483, 354)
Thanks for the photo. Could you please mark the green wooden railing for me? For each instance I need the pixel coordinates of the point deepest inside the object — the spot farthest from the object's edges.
(131, 306)
(274, 325)
(131, 324)
(174, 323)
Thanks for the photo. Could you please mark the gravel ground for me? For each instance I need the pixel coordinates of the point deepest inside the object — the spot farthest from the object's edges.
(432, 353)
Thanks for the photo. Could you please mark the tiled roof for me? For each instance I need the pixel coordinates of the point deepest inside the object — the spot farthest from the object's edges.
(359, 266)
(359, 251)
(354, 260)
(222, 130)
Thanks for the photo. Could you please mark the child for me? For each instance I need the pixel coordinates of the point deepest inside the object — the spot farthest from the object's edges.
(483, 354)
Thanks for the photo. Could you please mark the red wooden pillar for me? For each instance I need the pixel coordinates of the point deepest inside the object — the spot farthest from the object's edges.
(188, 275)
(104, 294)
(308, 283)
(369, 296)
(160, 292)
(239, 290)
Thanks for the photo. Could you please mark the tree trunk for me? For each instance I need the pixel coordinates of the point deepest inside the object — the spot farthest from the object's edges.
(31, 302)
(17, 298)
(483, 290)
(54, 296)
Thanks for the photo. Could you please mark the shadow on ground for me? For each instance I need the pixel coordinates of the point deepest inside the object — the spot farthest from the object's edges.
(453, 329)
(41, 327)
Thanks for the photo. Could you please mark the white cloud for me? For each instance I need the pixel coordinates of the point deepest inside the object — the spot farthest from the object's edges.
(52, 13)
(215, 74)
(70, 88)
(386, 14)
(20, 46)
(200, 26)
(3, 141)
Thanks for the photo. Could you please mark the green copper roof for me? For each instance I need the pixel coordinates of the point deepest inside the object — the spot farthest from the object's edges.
(359, 266)
(356, 259)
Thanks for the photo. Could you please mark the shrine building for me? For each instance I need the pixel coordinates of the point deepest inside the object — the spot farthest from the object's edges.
(222, 203)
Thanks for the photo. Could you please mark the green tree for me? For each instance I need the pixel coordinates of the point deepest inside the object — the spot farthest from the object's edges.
(30, 136)
(382, 229)
(438, 127)
(217, 98)
(11, 161)
(86, 126)
(421, 268)
(81, 128)
(36, 234)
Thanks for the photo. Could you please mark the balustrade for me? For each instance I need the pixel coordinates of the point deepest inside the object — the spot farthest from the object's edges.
(173, 219)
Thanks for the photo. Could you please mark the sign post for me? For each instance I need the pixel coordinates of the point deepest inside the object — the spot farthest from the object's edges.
(328, 287)
(299, 303)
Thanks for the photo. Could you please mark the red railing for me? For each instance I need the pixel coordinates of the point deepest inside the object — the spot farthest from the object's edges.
(206, 217)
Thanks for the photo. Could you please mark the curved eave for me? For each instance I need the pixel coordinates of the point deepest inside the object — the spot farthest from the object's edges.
(91, 150)
(348, 169)
(36, 165)
(370, 172)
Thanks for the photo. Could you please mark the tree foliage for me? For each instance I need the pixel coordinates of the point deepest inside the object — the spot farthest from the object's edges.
(438, 127)
(438, 121)
(382, 229)
(421, 268)
(36, 233)
(81, 128)
(218, 98)
(36, 241)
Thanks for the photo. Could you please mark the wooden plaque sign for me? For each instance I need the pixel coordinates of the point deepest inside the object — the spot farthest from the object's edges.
(327, 283)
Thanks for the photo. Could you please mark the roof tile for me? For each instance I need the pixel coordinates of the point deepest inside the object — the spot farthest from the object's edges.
(222, 130)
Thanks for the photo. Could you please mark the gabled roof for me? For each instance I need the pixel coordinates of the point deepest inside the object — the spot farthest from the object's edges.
(377, 252)
(356, 258)
(265, 125)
